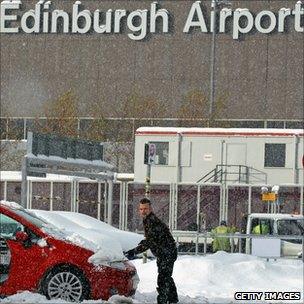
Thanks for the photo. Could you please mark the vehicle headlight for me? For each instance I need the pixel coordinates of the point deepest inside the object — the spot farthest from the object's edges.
(118, 265)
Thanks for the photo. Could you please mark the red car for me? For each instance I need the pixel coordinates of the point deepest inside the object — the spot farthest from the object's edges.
(33, 259)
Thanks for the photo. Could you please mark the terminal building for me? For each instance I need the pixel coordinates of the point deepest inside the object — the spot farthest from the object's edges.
(257, 81)
(254, 80)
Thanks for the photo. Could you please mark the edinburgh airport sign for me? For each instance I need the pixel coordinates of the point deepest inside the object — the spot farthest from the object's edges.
(137, 24)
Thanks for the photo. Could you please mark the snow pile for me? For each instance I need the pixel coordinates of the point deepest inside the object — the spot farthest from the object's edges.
(116, 299)
(207, 279)
(215, 278)
(30, 298)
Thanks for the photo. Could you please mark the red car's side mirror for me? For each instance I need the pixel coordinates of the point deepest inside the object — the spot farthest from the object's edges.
(21, 236)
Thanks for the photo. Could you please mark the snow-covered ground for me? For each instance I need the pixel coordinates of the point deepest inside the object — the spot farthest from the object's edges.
(216, 277)
(208, 279)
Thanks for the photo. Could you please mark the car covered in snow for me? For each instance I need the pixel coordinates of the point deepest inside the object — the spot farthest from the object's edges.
(38, 256)
(88, 227)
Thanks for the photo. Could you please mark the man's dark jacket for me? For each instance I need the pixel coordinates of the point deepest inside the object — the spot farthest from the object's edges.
(157, 238)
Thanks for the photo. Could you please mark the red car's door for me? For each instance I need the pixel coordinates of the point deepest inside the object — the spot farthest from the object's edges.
(26, 257)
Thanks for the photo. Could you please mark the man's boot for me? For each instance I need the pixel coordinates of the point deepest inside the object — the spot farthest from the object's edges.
(173, 301)
(161, 298)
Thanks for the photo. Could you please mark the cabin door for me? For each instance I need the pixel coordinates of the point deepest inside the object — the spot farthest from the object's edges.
(236, 160)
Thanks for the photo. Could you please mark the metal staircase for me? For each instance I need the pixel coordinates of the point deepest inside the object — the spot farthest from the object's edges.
(234, 174)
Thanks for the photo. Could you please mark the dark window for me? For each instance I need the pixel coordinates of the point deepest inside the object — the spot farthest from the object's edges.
(275, 124)
(294, 125)
(243, 124)
(262, 226)
(275, 155)
(3, 128)
(118, 130)
(290, 227)
(16, 129)
(35, 125)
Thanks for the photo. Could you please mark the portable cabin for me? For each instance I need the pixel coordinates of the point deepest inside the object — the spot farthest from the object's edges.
(204, 155)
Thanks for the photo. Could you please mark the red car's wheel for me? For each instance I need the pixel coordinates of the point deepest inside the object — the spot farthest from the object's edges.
(66, 283)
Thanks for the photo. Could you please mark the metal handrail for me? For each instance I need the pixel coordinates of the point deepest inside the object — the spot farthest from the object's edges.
(218, 172)
(206, 236)
(211, 177)
(180, 233)
(25, 119)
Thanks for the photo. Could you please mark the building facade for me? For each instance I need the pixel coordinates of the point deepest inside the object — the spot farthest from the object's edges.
(221, 155)
(257, 76)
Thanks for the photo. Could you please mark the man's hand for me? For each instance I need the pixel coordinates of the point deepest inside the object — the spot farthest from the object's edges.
(130, 254)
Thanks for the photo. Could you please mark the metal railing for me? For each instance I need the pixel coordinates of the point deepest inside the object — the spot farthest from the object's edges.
(234, 173)
(17, 127)
(203, 240)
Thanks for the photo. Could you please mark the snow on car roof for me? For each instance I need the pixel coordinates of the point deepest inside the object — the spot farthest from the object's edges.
(127, 239)
(11, 205)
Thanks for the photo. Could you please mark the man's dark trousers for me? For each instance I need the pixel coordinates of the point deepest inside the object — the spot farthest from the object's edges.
(166, 286)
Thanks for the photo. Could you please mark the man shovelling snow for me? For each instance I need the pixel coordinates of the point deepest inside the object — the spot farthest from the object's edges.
(162, 244)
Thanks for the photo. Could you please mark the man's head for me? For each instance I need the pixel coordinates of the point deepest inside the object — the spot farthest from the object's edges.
(145, 207)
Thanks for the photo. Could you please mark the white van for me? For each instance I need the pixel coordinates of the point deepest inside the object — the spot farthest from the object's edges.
(278, 224)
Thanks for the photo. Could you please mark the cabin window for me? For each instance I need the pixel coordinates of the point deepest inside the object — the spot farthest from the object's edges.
(262, 226)
(291, 227)
(275, 155)
(162, 153)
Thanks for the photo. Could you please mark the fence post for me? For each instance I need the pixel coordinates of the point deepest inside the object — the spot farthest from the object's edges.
(205, 244)
(198, 211)
(301, 200)
(303, 249)
(249, 198)
(247, 174)
(24, 183)
(51, 195)
(110, 201)
(98, 200)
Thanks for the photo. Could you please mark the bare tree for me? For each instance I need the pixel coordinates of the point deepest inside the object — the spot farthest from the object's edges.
(195, 106)
(61, 116)
(138, 106)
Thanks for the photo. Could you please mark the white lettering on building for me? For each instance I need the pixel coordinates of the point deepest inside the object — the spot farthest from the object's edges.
(43, 18)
